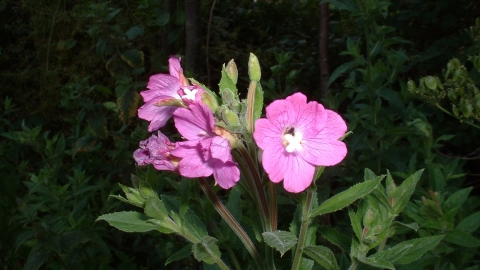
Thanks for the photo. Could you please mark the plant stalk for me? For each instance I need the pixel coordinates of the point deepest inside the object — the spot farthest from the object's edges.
(306, 220)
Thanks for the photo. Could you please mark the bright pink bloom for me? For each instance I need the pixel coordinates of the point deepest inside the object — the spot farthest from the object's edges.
(164, 88)
(295, 137)
(156, 150)
(204, 153)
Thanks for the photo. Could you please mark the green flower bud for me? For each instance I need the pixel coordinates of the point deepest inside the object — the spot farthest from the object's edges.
(431, 82)
(368, 218)
(455, 111)
(254, 71)
(452, 66)
(145, 189)
(210, 101)
(452, 95)
(377, 229)
(236, 106)
(391, 188)
(232, 71)
(229, 117)
(466, 107)
(412, 87)
(228, 96)
(476, 104)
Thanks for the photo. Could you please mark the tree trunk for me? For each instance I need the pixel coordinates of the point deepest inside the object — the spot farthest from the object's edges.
(193, 34)
(323, 48)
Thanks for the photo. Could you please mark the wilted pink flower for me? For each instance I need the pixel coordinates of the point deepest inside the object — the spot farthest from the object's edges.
(204, 153)
(295, 137)
(156, 150)
(164, 91)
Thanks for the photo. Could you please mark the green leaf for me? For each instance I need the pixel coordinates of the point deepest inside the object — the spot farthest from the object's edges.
(355, 222)
(461, 238)
(84, 144)
(129, 221)
(64, 45)
(36, 258)
(401, 195)
(111, 15)
(134, 32)
(376, 263)
(456, 199)
(323, 256)
(127, 105)
(181, 254)
(470, 223)
(346, 197)
(408, 251)
(98, 124)
(155, 208)
(134, 58)
(340, 70)
(336, 238)
(162, 18)
(206, 250)
(280, 240)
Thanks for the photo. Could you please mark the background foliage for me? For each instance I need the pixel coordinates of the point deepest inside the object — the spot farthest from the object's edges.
(70, 76)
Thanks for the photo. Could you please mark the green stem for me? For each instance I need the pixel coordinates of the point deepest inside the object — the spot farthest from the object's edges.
(225, 245)
(306, 220)
(354, 264)
(230, 220)
(273, 206)
(449, 113)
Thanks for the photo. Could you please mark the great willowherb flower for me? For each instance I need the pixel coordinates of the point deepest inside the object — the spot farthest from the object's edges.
(156, 150)
(204, 153)
(295, 137)
(166, 93)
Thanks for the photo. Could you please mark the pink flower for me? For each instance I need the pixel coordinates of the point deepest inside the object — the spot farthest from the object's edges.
(204, 153)
(156, 150)
(164, 91)
(295, 137)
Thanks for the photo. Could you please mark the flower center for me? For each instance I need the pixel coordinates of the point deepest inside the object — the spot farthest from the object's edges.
(189, 94)
(292, 140)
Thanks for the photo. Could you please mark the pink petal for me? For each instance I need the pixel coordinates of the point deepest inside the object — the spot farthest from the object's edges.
(158, 116)
(220, 149)
(265, 133)
(325, 149)
(196, 122)
(174, 66)
(299, 176)
(192, 164)
(161, 85)
(226, 174)
(275, 161)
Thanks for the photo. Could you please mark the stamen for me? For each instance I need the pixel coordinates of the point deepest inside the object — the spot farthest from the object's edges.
(293, 142)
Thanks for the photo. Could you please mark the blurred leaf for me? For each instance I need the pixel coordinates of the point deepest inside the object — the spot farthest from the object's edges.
(181, 254)
(206, 250)
(455, 200)
(162, 19)
(323, 256)
(98, 124)
(134, 58)
(345, 198)
(280, 240)
(129, 221)
(84, 144)
(111, 15)
(470, 223)
(461, 238)
(376, 263)
(333, 236)
(127, 105)
(36, 258)
(408, 251)
(134, 32)
(401, 195)
(340, 70)
(64, 45)
(173, 35)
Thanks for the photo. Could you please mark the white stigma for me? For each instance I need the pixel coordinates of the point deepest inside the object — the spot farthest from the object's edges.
(294, 142)
(189, 94)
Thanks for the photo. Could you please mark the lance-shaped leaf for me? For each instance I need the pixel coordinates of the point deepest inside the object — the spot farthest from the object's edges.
(127, 105)
(129, 221)
(181, 254)
(323, 256)
(401, 194)
(134, 58)
(461, 238)
(376, 263)
(470, 223)
(280, 240)
(333, 236)
(206, 250)
(226, 82)
(345, 198)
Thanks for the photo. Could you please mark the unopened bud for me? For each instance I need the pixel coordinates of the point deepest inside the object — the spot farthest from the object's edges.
(455, 111)
(466, 108)
(210, 101)
(232, 71)
(368, 218)
(230, 118)
(254, 71)
(411, 87)
(431, 82)
(228, 96)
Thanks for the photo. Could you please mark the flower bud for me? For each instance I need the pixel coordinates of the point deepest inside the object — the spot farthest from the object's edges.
(254, 71)
(412, 87)
(229, 117)
(455, 111)
(210, 101)
(466, 107)
(236, 106)
(232, 71)
(368, 218)
(431, 82)
(228, 96)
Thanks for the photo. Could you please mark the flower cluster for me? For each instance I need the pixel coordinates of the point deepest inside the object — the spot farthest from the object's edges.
(204, 153)
(295, 136)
